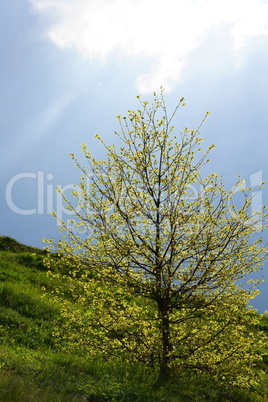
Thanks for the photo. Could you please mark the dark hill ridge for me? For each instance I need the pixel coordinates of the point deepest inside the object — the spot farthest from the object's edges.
(24, 255)
(9, 244)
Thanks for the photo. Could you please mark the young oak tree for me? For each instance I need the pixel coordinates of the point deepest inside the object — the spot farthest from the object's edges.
(162, 254)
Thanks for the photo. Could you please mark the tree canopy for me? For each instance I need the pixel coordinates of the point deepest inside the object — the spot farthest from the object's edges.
(161, 255)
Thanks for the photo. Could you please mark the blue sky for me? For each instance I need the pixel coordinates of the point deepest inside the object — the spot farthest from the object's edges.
(67, 67)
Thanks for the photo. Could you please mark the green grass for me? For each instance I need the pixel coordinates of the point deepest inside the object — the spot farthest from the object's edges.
(33, 366)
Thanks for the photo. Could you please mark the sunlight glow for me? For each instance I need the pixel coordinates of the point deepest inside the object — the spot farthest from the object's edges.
(163, 33)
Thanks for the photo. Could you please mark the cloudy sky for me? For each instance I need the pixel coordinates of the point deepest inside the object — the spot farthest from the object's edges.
(67, 67)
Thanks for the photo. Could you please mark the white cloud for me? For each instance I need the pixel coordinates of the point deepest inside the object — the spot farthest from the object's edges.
(164, 33)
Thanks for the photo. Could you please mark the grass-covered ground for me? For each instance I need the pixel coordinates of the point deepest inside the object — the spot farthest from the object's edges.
(33, 366)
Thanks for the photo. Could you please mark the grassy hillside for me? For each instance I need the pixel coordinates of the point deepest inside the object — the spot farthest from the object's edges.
(34, 366)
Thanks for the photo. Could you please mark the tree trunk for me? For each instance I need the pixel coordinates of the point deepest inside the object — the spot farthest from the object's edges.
(164, 373)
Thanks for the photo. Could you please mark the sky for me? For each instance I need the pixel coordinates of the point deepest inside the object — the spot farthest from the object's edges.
(68, 67)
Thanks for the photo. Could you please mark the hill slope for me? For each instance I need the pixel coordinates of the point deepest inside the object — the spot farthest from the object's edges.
(34, 366)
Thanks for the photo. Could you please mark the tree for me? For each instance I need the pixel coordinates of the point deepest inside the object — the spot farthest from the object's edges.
(168, 250)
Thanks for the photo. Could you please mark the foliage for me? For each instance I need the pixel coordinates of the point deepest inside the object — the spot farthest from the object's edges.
(169, 250)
